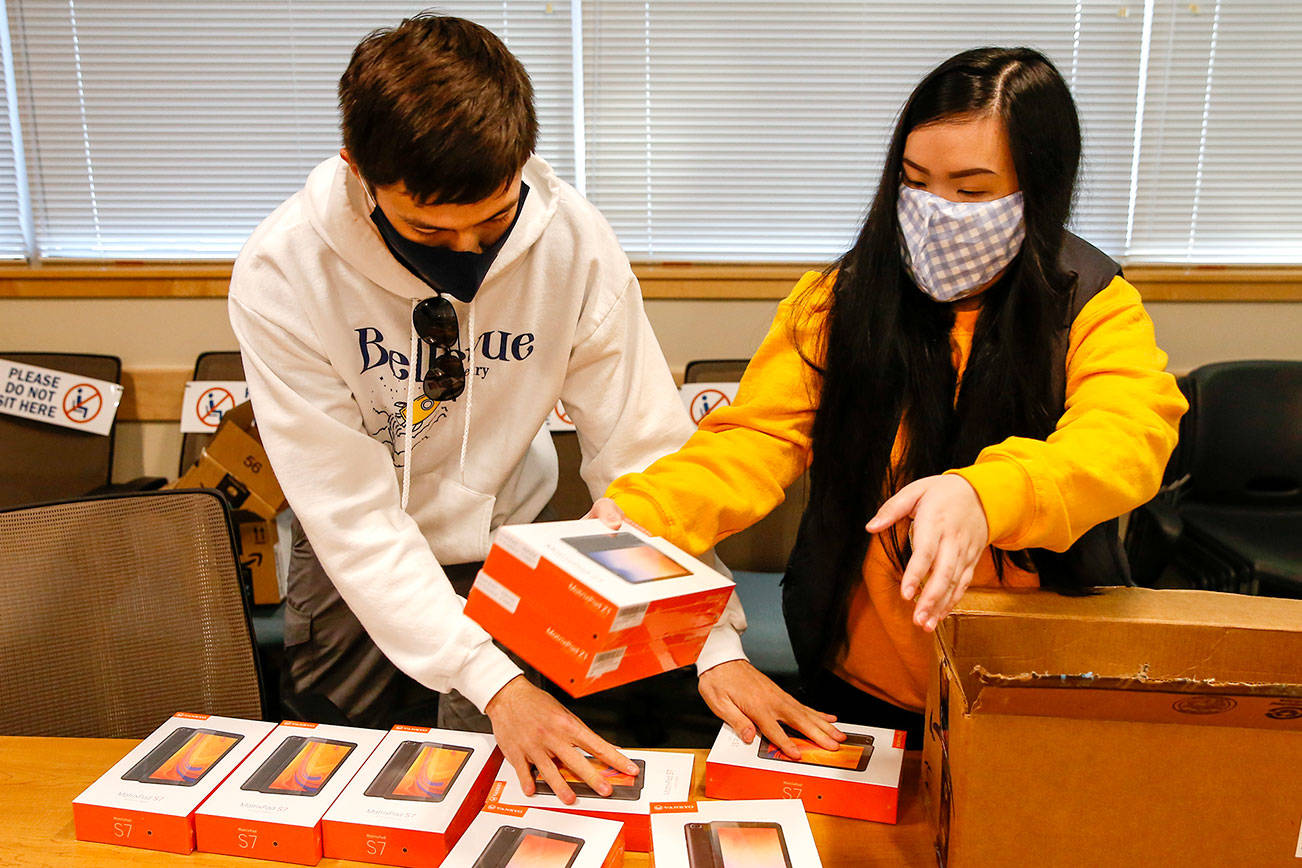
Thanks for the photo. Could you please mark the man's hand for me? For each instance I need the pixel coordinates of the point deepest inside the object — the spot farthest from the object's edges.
(534, 730)
(949, 535)
(611, 515)
(747, 699)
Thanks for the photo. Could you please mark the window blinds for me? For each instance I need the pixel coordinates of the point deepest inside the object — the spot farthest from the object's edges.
(163, 129)
(705, 130)
(14, 229)
(757, 129)
(1220, 170)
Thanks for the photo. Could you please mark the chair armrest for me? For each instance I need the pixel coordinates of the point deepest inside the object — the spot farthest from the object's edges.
(1166, 520)
(140, 483)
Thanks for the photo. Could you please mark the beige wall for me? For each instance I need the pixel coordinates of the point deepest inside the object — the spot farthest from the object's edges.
(169, 333)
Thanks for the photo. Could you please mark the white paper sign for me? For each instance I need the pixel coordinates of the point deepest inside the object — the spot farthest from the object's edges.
(59, 398)
(701, 398)
(207, 401)
(558, 420)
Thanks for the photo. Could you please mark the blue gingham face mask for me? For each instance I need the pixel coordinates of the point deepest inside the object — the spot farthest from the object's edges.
(952, 249)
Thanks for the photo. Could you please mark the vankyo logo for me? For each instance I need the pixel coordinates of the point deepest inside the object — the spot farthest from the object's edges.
(390, 367)
(1285, 709)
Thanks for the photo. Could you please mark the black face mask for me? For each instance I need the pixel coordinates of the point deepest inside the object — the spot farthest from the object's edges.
(457, 273)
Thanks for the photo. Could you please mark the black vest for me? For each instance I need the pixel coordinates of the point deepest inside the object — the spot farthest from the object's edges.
(1096, 559)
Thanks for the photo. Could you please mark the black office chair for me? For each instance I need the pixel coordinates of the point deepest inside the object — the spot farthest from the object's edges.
(40, 462)
(268, 620)
(1229, 517)
(117, 611)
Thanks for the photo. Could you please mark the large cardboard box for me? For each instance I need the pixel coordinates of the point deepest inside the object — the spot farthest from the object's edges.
(149, 797)
(1135, 727)
(591, 608)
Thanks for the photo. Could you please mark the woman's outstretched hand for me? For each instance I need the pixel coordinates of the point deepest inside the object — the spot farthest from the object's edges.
(949, 534)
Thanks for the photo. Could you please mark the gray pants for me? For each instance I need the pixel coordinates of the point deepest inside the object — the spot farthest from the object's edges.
(328, 652)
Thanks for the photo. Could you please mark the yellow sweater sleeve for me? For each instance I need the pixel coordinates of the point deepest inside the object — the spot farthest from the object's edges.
(1107, 452)
(734, 469)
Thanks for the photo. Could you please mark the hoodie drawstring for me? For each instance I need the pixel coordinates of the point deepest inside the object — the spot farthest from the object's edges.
(470, 390)
(408, 441)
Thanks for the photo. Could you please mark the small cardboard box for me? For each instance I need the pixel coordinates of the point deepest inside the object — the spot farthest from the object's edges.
(768, 832)
(149, 797)
(861, 779)
(579, 602)
(235, 464)
(258, 539)
(414, 797)
(504, 837)
(663, 776)
(271, 808)
(1135, 727)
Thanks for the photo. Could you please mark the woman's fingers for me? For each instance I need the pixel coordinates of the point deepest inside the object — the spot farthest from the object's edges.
(899, 507)
(925, 543)
(939, 585)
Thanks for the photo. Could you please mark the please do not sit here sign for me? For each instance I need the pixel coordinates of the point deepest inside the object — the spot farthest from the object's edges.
(58, 397)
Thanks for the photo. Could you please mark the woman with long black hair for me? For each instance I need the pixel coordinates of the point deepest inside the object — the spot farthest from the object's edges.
(976, 393)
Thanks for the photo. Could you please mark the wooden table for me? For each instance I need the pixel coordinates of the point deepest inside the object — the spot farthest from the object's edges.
(39, 777)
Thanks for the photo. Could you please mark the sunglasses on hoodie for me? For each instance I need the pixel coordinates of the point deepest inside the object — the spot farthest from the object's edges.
(435, 321)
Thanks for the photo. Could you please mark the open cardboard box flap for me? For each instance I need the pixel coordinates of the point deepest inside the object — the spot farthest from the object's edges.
(235, 464)
(1129, 654)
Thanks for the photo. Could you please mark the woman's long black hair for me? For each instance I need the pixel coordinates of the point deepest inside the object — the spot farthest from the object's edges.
(885, 349)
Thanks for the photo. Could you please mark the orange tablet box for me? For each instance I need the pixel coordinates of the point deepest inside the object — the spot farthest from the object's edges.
(503, 836)
(774, 833)
(577, 667)
(861, 779)
(414, 797)
(272, 806)
(149, 797)
(579, 601)
(663, 776)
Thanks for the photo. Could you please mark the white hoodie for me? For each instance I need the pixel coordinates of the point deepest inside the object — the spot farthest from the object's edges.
(323, 311)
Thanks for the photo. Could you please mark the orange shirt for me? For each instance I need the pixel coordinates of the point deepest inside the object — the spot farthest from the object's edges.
(883, 646)
(1105, 457)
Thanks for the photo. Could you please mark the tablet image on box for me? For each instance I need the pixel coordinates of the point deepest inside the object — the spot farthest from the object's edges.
(301, 766)
(623, 786)
(184, 757)
(852, 755)
(628, 557)
(736, 844)
(515, 847)
(420, 771)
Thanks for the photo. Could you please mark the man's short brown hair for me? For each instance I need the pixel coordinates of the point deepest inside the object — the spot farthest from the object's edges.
(439, 104)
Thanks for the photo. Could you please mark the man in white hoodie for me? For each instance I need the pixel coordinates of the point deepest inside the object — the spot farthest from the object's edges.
(408, 320)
